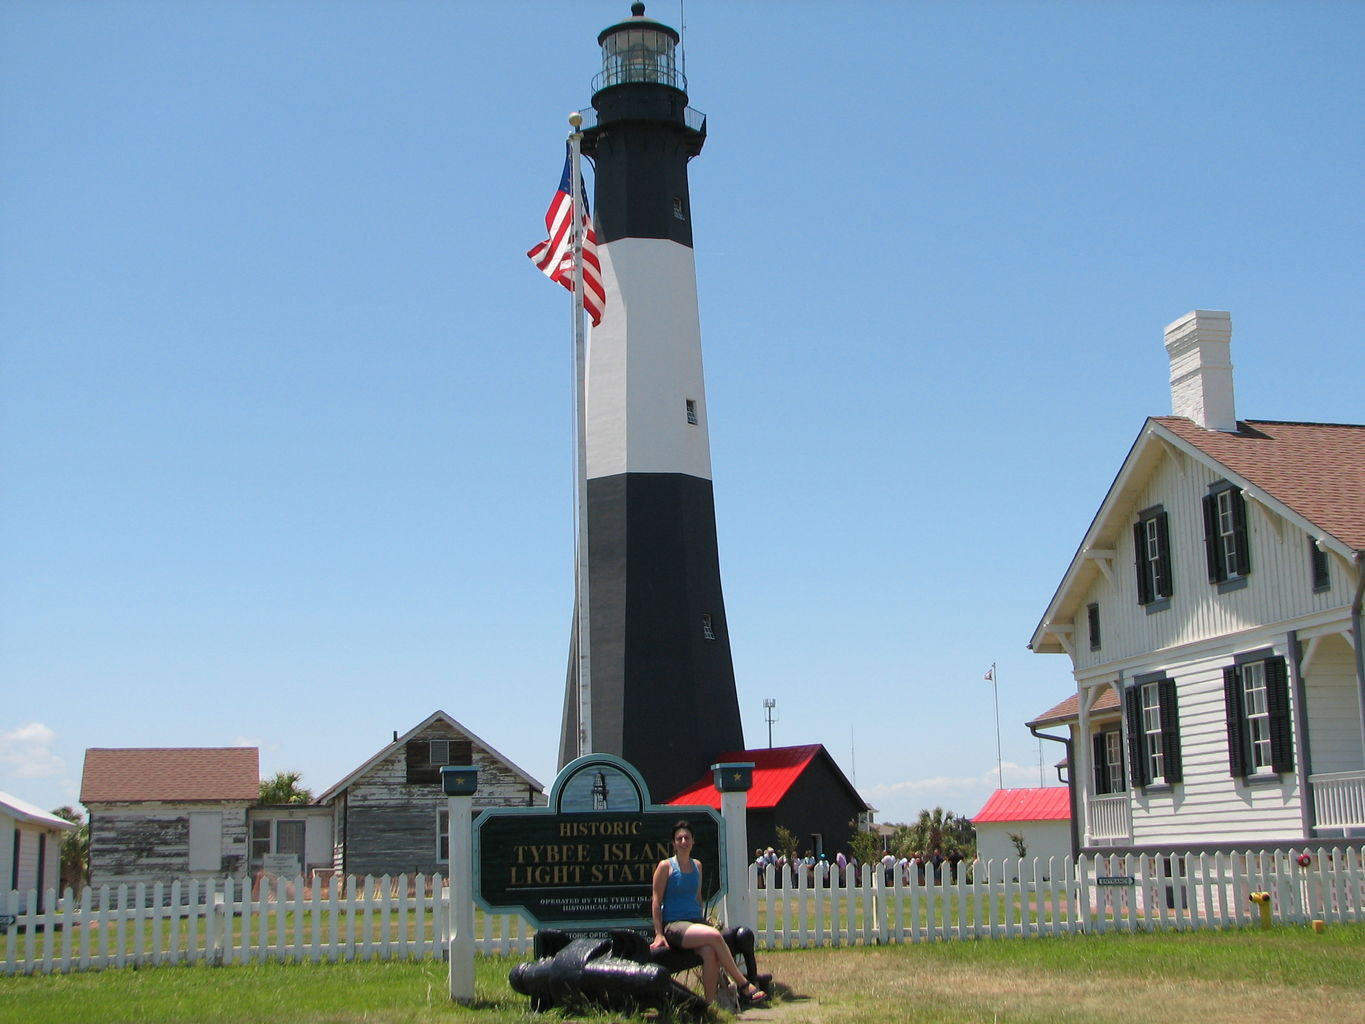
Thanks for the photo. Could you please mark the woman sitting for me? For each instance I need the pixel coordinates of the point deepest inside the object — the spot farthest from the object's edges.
(679, 924)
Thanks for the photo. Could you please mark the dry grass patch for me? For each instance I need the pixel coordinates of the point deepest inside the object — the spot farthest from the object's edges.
(1205, 979)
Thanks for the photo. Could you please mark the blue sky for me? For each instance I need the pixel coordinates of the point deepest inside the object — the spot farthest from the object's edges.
(285, 452)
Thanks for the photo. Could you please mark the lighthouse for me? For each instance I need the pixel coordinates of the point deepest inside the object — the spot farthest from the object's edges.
(662, 686)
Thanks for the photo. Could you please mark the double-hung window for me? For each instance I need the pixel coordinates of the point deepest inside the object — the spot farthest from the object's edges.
(1108, 760)
(1152, 545)
(1153, 732)
(1225, 536)
(1260, 730)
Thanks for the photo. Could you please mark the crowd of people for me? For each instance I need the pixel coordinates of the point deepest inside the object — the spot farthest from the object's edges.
(820, 870)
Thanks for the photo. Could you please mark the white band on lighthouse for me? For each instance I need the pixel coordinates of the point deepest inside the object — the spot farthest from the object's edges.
(645, 364)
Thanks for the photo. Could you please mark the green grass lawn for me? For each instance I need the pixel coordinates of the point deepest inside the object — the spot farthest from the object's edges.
(1202, 977)
(171, 936)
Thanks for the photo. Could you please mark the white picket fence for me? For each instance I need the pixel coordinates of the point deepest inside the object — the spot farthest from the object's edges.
(1018, 898)
(226, 921)
(405, 917)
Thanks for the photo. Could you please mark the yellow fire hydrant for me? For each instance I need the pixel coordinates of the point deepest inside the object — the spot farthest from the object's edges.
(1262, 900)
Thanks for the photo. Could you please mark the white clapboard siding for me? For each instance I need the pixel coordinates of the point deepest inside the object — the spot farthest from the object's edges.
(404, 917)
(1279, 588)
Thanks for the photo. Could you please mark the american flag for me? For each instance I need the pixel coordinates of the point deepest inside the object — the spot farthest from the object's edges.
(554, 256)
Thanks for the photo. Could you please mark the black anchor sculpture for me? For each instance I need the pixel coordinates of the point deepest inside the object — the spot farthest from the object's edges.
(619, 972)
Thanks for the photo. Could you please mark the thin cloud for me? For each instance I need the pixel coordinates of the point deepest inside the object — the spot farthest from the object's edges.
(26, 752)
(963, 794)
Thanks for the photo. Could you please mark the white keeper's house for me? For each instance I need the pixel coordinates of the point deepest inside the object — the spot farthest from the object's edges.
(1212, 615)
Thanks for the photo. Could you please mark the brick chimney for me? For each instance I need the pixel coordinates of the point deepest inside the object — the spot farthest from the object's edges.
(1199, 346)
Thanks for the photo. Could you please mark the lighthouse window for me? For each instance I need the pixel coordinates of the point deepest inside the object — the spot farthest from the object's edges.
(678, 208)
(707, 630)
(692, 411)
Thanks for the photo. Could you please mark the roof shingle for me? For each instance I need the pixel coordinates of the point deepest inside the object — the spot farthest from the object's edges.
(136, 774)
(1317, 469)
(1070, 709)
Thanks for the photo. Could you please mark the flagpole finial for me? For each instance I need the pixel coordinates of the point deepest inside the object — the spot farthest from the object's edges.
(576, 120)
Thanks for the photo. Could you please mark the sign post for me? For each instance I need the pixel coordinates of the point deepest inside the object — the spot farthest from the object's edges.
(459, 784)
(734, 780)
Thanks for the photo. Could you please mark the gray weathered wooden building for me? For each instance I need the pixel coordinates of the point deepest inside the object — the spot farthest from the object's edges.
(389, 815)
(158, 814)
(167, 813)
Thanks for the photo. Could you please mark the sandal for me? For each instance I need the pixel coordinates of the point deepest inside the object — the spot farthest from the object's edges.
(752, 995)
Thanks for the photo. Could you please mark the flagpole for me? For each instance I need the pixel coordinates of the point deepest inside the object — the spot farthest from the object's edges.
(999, 760)
(584, 637)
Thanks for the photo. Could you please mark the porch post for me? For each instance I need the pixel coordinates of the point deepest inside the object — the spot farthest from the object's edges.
(1082, 775)
(459, 783)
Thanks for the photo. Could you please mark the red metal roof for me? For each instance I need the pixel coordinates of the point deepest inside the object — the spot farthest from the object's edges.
(136, 774)
(775, 770)
(1050, 804)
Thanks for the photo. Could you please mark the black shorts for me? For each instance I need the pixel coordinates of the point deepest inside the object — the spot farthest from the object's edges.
(673, 932)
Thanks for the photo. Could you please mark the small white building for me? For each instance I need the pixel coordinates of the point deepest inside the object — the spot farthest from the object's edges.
(1040, 817)
(30, 847)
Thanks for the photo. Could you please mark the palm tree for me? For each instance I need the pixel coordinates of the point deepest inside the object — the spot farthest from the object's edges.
(75, 849)
(284, 788)
(951, 834)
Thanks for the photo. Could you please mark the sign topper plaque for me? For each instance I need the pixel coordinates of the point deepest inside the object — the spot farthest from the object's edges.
(587, 859)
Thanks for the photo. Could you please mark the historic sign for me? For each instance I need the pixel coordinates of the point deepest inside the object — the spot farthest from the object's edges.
(282, 865)
(587, 860)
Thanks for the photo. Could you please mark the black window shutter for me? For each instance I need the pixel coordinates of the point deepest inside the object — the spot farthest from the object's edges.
(1137, 762)
(1165, 583)
(1232, 701)
(1239, 533)
(1170, 730)
(419, 769)
(1317, 559)
(1145, 595)
(1281, 726)
(1213, 551)
(1101, 760)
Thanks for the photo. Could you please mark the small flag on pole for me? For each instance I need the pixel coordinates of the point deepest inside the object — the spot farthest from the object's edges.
(554, 256)
(990, 674)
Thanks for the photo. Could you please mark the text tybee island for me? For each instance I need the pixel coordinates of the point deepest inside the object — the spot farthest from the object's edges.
(586, 853)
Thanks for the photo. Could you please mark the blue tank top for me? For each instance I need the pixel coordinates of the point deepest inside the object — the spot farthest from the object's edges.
(681, 902)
